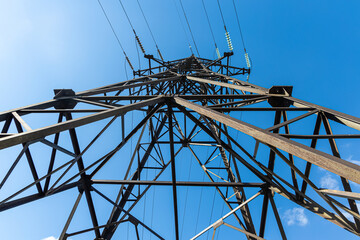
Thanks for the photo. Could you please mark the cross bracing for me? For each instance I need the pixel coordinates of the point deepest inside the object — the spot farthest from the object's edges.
(255, 146)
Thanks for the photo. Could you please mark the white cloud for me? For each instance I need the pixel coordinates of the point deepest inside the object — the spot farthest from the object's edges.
(350, 159)
(295, 216)
(327, 181)
(50, 238)
(355, 162)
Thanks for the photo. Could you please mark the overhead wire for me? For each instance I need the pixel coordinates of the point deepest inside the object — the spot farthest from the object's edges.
(151, 33)
(138, 54)
(213, 202)
(247, 58)
(183, 27)
(227, 34)
(186, 197)
(152, 208)
(201, 193)
(211, 30)
(116, 36)
(146, 178)
(188, 24)
(132, 27)
(126, 74)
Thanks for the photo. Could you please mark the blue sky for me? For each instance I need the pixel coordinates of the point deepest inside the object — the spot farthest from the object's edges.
(311, 45)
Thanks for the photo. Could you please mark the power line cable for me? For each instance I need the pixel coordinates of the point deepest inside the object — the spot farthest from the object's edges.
(152, 208)
(127, 77)
(222, 16)
(201, 193)
(116, 36)
(227, 34)
(211, 30)
(239, 26)
(187, 21)
(138, 54)
(213, 202)
(186, 196)
(183, 27)
(132, 27)
(152, 35)
(247, 58)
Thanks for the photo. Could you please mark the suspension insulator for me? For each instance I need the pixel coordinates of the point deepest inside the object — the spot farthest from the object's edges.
(158, 50)
(191, 49)
(218, 53)
(140, 45)
(228, 39)
(128, 60)
(247, 60)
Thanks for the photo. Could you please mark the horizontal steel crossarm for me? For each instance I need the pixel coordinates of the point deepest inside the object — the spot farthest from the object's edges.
(343, 194)
(119, 88)
(225, 77)
(320, 136)
(27, 111)
(336, 165)
(128, 86)
(343, 118)
(66, 235)
(209, 63)
(260, 109)
(42, 105)
(227, 85)
(188, 97)
(132, 81)
(179, 183)
(34, 197)
(66, 125)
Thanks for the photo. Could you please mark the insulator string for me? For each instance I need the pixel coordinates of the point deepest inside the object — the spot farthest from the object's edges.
(116, 36)
(227, 34)
(247, 58)
(132, 27)
(151, 33)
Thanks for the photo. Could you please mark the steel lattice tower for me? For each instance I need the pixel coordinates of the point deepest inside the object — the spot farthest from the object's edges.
(186, 105)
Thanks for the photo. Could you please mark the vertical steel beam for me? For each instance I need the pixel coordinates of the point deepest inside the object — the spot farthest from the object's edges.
(271, 167)
(277, 217)
(308, 164)
(109, 231)
(344, 181)
(71, 215)
(29, 159)
(84, 178)
(173, 170)
(6, 126)
(52, 158)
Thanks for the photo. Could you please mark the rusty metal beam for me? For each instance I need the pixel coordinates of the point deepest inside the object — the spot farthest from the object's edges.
(333, 164)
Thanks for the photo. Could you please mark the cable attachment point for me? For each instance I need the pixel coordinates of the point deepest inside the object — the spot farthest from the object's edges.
(228, 39)
(160, 55)
(247, 60)
(139, 42)
(218, 53)
(128, 60)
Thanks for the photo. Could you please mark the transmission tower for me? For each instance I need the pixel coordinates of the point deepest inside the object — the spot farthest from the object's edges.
(175, 112)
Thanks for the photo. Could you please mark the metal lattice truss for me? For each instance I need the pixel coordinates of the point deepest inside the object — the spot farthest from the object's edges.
(189, 105)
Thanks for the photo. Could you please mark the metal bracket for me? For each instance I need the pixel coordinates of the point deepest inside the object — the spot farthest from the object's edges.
(64, 100)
